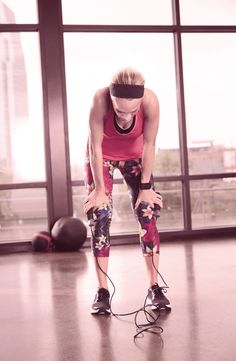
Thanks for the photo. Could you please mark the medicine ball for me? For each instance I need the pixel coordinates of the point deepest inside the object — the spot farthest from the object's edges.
(41, 241)
(68, 234)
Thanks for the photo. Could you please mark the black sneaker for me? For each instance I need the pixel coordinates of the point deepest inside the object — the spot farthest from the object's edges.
(101, 303)
(157, 297)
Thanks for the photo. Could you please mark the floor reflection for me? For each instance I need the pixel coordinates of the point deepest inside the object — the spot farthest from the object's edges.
(45, 302)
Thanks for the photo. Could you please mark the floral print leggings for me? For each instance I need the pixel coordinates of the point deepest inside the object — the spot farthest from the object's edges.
(145, 214)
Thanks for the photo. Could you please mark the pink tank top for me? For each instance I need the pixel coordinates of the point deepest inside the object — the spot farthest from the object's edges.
(125, 146)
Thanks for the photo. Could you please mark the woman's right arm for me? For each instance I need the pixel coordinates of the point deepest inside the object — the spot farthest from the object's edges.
(96, 131)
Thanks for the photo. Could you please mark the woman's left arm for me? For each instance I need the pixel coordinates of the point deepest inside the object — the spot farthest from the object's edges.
(151, 125)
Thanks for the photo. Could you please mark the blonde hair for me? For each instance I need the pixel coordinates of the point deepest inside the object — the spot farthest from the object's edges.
(129, 76)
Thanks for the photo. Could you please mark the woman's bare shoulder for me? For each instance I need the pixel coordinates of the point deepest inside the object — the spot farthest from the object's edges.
(101, 98)
(149, 96)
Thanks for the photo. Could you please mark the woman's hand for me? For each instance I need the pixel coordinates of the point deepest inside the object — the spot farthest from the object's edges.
(149, 196)
(95, 199)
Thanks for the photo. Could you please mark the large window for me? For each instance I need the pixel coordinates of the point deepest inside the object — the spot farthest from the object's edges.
(123, 12)
(213, 203)
(208, 12)
(23, 212)
(14, 11)
(55, 54)
(21, 124)
(210, 87)
(22, 156)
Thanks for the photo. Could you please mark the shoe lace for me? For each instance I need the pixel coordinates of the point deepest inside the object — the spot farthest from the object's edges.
(159, 290)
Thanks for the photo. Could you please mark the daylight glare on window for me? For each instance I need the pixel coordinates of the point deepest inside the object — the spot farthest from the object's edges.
(209, 79)
(123, 12)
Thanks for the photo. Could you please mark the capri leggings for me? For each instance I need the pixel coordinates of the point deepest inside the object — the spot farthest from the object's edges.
(145, 214)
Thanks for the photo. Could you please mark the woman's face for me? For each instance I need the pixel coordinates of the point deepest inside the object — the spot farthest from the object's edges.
(125, 109)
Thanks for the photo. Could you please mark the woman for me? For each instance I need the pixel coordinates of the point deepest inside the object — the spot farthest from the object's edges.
(123, 124)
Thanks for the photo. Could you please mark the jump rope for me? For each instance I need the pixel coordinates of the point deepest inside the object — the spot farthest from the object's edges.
(141, 328)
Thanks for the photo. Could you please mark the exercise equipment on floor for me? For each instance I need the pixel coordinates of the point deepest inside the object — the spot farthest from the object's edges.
(68, 234)
(42, 241)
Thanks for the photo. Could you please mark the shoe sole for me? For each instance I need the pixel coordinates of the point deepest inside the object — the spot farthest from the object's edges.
(163, 307)
(159, 307)
(100, 311)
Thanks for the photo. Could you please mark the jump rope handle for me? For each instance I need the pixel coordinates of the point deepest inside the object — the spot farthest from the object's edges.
(90, 217)
(157, 208)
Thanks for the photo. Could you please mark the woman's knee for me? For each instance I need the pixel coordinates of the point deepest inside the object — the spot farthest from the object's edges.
(149, 235)
(101, 234)
(103, 215)
(144, 212)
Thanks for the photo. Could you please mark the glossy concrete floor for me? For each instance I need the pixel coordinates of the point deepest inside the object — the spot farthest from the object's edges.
(45, 304)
